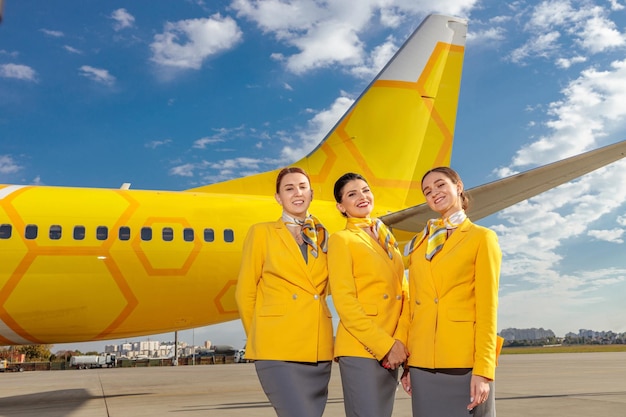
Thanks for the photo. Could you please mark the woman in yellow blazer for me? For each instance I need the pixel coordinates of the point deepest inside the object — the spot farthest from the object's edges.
(366, 274)
(454, 269)
(281, 294)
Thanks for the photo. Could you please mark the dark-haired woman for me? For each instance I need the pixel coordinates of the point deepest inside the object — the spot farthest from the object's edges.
(366, 275)
(454, 269)
(281, 294)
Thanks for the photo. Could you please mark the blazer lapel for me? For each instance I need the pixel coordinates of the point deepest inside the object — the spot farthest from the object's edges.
(457, 237)
(362, 234)
(294, 250)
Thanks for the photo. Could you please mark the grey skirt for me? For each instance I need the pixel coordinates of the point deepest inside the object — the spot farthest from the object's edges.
(295, 388)
(446, 392)
(369, 390)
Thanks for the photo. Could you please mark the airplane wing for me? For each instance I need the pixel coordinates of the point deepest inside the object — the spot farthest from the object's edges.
(495, 196)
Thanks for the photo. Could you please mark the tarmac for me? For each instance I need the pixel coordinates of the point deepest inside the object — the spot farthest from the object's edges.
(537, 385)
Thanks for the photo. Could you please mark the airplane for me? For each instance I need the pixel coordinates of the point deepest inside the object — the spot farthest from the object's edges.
(86, 264)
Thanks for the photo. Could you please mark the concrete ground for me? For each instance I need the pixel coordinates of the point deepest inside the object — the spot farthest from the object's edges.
(573, 385)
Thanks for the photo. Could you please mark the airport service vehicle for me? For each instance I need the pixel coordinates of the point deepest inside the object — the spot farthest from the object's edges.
(5, 366)
(92, 361)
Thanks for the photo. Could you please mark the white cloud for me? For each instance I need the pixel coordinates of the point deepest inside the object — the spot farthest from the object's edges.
(568, 62)
(553, 25)
(8, 165)
(600, 34)
(187, 43)
(486, 36)
(613, 235)
(566, 302)
(591, 107)
(20, 72)
(238, 163)
(311, 27)
(378, 58)
(222, 135)
(185, 170)
(543, 45)
(203, 142)
(52, 33)
(157, 143)
(122, 18)
(98, 75)
(12, 54)
(72, 50)
(317, 128)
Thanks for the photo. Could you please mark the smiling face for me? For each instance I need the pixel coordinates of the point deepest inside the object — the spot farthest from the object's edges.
(357, 199)
(442, 194)
(295, 195)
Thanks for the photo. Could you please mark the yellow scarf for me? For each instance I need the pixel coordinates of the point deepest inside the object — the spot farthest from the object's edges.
(314, 234)
(380, 230)
(437, 232)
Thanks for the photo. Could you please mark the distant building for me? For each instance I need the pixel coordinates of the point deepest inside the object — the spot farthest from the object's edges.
(511, 335)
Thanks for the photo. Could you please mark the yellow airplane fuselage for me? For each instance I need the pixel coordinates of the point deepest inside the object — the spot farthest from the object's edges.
(83, 260)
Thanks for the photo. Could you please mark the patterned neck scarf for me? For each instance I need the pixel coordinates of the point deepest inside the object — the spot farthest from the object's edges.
(380, 230)
(314, 234)
(437, 232)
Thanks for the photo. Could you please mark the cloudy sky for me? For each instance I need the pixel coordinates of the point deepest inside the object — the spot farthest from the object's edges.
(95, 94)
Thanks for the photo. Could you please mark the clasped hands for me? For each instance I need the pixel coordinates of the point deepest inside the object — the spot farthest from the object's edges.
(396, 356)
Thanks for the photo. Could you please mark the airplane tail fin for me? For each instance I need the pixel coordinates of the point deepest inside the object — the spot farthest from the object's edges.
(400, 126)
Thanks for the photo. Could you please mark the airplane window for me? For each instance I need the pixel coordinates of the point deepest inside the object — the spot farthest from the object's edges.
(79, 232)
(209, 235)
(146, 233)
(168, 234)
(124, 233)
(5, 231)
(229, 235)
(55, 232)
(188, 234)
(102, 233)
(31, 231)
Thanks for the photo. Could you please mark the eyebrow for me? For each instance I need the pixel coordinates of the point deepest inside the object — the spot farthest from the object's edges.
(292, 184)
(356, 189)
(435, 183)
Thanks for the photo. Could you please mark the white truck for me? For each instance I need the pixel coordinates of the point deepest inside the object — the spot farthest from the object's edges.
(92, 361)
(6, 366)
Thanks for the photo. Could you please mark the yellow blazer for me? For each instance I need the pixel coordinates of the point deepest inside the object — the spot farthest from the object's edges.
(454, 302)
(367, 292)
(282, 299)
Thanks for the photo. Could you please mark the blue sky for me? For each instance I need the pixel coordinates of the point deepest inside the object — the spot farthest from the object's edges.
(95, 94)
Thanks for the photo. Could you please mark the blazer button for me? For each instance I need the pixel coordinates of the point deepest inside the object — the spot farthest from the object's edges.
(417, 302)
(436, 300)
(385, 296)
(398, 297)
(295, 296)
(316, 297)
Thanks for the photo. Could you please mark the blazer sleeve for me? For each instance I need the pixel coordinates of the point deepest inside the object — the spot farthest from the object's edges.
(488, 262)
(345, 299)
(250, 272)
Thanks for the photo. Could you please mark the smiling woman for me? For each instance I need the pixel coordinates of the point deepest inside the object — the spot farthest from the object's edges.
(281, 294)
(366, 275)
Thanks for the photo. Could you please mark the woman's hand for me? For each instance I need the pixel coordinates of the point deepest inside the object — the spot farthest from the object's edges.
(479, 391)
(405, 380)
(396, 356)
